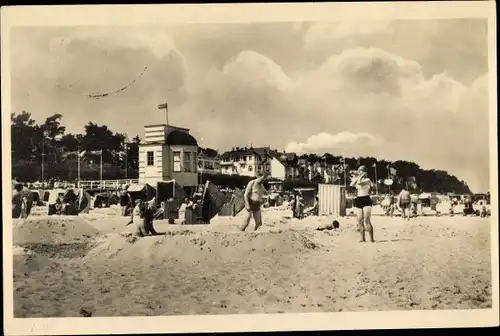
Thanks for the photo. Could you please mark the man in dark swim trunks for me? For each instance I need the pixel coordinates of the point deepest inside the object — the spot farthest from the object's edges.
(404, 203)
(254, 198)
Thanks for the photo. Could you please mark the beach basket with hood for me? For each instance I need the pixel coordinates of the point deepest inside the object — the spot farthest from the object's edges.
(22, 201)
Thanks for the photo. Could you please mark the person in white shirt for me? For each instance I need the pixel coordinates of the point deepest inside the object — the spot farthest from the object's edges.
(182, 211)
(254, 197)
(363, 202)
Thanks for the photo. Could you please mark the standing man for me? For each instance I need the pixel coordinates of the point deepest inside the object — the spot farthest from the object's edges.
(125, 200)
(404, 203)
(254, 197)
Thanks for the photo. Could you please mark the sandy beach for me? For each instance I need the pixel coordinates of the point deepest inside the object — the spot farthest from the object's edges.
(69, 267)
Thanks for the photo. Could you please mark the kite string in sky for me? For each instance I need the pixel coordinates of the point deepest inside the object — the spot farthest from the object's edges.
(107, 94)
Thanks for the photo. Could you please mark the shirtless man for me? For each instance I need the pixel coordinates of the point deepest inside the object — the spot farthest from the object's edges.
(254, 194)
(404, 203)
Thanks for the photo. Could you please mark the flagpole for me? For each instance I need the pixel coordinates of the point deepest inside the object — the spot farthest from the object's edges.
(376, 180)
(101, 170)
(345, 174)
(43, 157)
(78, 178)
(126, 163)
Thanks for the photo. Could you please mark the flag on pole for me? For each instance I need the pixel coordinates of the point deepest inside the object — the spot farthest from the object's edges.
(82, 153)
(374, 165)
(97, 152)
(342, 160)
(393, 171)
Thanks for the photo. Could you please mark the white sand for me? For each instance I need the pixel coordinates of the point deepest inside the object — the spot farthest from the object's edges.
(287, 266)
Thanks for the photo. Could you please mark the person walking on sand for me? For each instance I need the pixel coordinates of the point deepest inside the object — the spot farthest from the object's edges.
(363, 202)
(254, 197)
(404, 203)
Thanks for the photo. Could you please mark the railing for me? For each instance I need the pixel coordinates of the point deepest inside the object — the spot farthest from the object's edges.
(106, 184)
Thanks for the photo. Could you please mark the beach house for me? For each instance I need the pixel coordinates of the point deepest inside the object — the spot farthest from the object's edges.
(208, 161)
(246, 161)
(166, 153)
(284, 165)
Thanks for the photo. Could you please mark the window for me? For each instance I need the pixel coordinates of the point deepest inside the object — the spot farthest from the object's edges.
(177, 161)
(187, 161)
(250, 168)
(151, 158)
(200, 164)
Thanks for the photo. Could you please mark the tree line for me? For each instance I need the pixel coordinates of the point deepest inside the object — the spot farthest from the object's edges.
(49, 143)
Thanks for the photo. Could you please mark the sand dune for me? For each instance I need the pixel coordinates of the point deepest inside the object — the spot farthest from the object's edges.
(287, 266)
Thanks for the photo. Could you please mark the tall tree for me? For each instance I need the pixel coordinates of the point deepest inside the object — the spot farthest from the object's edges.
(24, 136)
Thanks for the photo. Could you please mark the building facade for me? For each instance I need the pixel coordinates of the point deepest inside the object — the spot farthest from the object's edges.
(284, 166)
(168, 153)
(246, 161)
(208, 161)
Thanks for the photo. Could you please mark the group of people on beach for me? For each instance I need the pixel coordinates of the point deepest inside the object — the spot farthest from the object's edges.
(142, 213)
(255, 191)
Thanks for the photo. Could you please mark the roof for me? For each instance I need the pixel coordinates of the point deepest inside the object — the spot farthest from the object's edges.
(180, 138)
(286, 156)
(261, 152)
(208, 152)
(170, 126)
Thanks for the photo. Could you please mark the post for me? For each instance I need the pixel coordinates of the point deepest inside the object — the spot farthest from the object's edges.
(126, 163)
(345, 177)
(78, 178)
(43, 157)
(101, 171)
(324, 173)
(376, 180)
(201, 172)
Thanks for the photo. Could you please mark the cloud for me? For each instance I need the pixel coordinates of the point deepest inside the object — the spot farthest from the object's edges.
(72, 63)
(344, 142)
(158, 42)
(253, 70)
(241, 84)
(327, 31)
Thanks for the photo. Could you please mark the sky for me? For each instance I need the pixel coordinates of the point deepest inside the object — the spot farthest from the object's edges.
(398, 90)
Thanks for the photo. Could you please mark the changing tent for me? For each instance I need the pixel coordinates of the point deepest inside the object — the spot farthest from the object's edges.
(235, 204)
(105, 199)
(213, 201)
(170, 189)
(141, 191)
(79, 201)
